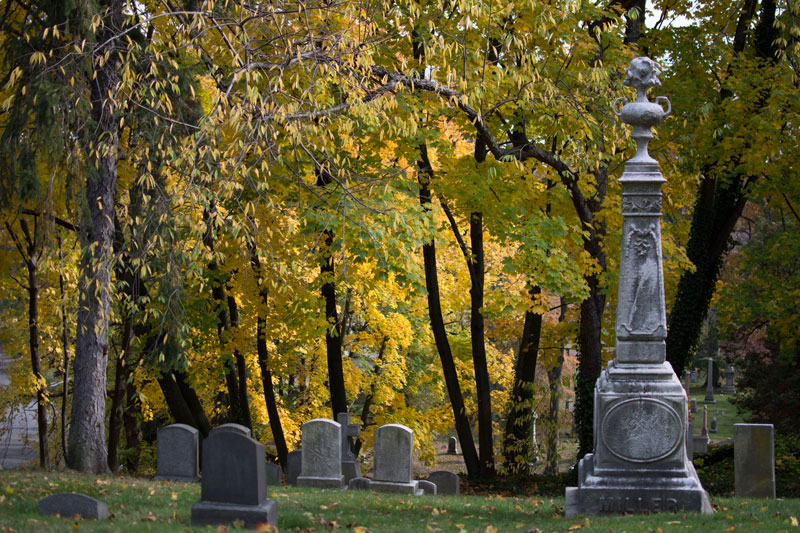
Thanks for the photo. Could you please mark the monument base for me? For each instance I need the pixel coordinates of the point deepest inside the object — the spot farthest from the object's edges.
(597, 496)
(640, 462)
(396, 487)
(321, 482)
(212, 513)
(185, 479)
(350, 470)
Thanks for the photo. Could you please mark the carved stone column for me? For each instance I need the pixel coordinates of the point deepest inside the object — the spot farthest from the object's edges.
(640, 461)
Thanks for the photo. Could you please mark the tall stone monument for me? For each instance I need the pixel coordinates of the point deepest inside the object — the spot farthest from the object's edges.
(640, 461)
(710, 383)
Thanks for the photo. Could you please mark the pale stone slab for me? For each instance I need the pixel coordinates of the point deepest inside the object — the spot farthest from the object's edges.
(69, 504)
(394, 447)
(395, 487)
(754, 460)
(322, 455)
(446, 482)
(427, 487)
(177, 453)
(700, 444)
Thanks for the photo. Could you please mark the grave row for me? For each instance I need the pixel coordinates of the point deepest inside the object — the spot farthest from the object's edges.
(235, 472)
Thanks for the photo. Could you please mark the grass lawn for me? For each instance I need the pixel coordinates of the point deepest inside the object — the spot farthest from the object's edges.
(141, 505)
(724, 410)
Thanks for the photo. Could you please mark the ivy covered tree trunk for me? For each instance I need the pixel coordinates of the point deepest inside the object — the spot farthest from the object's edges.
(86, 450)
(517, 442)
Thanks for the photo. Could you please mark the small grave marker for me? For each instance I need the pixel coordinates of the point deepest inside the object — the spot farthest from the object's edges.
(69, 504)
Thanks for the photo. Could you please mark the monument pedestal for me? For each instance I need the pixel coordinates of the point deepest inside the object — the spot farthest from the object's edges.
(213, 513)
(640, 463)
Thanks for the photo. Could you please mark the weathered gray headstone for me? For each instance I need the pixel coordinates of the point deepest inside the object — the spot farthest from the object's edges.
(427, 487)
(350, 465)
(359, 483)
(694, 376)
(710, 385)
(729, 387)
(452, 446)
(294, 463)
(640, 461)
(234, 485)
(238, 428)
(274, 475)
(712, 427)
(177, 453)
(692, 405)
(322, 455)
(754, 460)
(69, 504)
(700, 444)
(393, 452)
(446, 482)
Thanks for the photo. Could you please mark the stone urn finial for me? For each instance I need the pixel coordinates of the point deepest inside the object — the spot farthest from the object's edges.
(642, 114)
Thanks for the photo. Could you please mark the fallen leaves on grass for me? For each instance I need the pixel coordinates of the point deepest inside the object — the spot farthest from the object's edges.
(149, 518)
(794, 521)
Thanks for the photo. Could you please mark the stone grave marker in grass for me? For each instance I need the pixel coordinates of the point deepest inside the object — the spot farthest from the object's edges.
(452, 446)
(321, 464)
(69, 504)
(177, 453)
(234, 484)
(293, 466)
(350, 465)
(754, 460)
(393, 451)
(238, 428)
(274, 475)
(710, 383)
(446, 482)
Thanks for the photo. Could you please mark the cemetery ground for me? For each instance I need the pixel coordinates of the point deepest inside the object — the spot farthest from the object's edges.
(138, 504)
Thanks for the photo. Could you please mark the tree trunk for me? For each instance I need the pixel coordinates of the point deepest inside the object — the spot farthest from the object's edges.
(86, 450)
(554, 382)
(131, 416)
(590, 364)
(241, 368)
(476, 327)
(263, 364)
(335, 330)
(269, 393)
(463, 428)
(36, 362)
(118, 397)
(65, 344)
(517, 441)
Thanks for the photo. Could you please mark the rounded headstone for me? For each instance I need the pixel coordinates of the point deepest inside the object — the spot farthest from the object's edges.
(68, 504)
